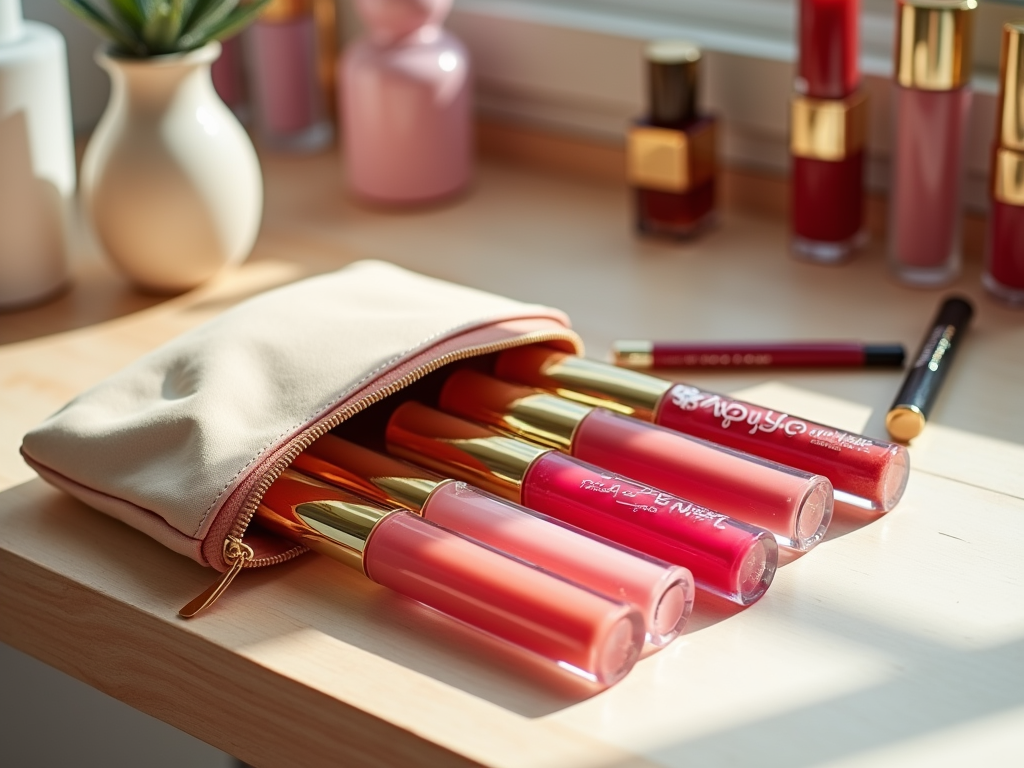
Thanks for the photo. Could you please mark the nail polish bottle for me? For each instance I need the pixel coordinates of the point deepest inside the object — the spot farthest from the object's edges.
(827, 133)
(1004, 259)
(575, 629)
(932, 103)
(287, 96)
(405, 105)
(671, 152)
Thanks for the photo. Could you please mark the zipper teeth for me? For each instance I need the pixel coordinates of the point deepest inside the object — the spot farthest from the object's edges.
(314, 433)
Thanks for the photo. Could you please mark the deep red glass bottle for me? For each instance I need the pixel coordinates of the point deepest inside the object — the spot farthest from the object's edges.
(827, 134)
(671, 152)
(1004, 262)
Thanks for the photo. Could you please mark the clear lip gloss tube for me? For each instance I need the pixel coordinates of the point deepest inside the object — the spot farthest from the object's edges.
(932, 102)
(579, 630)
(865, 472)
(794, 505)
(726, 557)
(662, 592)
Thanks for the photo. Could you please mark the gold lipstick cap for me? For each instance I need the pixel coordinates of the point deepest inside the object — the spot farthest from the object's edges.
(460, 449)
(369, 473)
(525, 412)
(629, 353)
(1008, 163)
(586, 381)
(934, 43)
(326, 519)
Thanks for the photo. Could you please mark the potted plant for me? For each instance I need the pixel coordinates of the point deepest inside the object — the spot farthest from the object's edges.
(170, 180)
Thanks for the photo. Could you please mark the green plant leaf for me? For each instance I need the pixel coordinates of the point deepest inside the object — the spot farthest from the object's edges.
(232, 23)
(130, 13)
(84, 10)
(208, 17)
(163, 27)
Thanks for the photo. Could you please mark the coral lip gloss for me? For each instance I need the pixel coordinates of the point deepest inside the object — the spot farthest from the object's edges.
(661, 591)
(823, 354)
(577, 629)
(864, 471)
(727, 557)
(828, 127)
(796, 506)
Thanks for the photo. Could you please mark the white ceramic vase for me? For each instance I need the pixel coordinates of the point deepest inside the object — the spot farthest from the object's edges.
(170, 180)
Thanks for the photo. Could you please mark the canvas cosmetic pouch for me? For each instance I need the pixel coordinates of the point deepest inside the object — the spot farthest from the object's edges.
(183, 443)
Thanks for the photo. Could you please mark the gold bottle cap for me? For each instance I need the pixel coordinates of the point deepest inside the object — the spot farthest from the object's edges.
(934, 43)
(324, 518)
(586, 381)
(1011, 88)
(461, 449)
(904, 422)
(371, 474)
(280, 11)
(537, 416)
(828, 129)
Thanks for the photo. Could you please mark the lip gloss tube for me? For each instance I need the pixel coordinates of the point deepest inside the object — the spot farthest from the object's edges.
(932, 102)
(662, 592)
(579, 630)
(1004, 258)
(864, 472)
(821, 354)
(795, 506)
(727, 557)
(827, 134)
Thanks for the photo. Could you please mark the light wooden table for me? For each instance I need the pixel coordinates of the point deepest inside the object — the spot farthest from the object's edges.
(898, 641)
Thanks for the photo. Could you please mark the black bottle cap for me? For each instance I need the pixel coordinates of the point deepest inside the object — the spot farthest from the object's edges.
(884, 355)
(672, 68)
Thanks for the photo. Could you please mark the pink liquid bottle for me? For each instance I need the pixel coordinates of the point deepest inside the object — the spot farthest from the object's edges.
(405, 105)
(288, 99)
(932, 102)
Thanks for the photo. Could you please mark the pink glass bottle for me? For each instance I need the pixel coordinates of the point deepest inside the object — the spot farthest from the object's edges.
(794, 505)
(405, 105)
(932, 103)
(864, 471)
(662, 592)
(1004, 259)
(828, 128)
(579, 630)
(287, 95)
(729, 558)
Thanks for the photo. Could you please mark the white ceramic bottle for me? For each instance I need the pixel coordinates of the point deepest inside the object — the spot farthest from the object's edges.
(37, 159)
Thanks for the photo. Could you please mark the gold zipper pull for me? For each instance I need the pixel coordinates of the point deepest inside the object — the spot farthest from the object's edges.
(236, 553)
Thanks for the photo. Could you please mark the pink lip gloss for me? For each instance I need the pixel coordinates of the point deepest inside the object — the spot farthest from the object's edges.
(577, 629)
(662, 592)
(865, 472)
(727, 557)
(796, 506)
(932, 102)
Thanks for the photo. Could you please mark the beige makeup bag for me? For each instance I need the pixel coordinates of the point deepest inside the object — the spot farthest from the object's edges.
(183, 443)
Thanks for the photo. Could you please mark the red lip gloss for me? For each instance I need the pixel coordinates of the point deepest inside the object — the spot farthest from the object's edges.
(828, 129)
(796, 506)
(579, 630)
(662, 592)
(1004, 263)
(866, 472)
(820, 354)
(727, 557)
